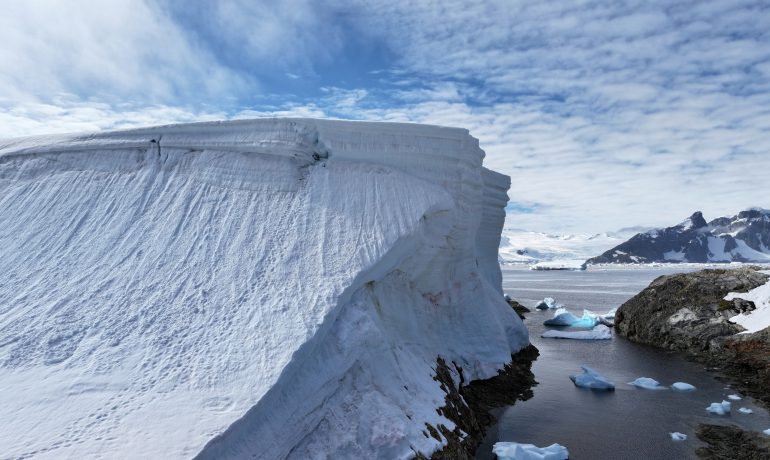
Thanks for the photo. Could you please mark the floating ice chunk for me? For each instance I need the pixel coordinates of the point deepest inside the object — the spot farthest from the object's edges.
(681, 386)
(592, 380)
(767, 431)
(677, 436)
(647, 383)
(745, 410)
(734, 397)
(722, 408)
(589, 320)
(547, 303)
(600, 332)
(562, 317)
(610, 314)
(516, 451)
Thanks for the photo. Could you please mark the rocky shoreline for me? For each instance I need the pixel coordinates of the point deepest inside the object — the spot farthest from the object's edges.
(687, 313)
(470, 404)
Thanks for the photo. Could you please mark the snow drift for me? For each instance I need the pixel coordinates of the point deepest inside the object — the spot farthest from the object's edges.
(266, 288)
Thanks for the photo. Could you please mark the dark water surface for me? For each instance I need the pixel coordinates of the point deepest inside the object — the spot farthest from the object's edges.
(628, 423)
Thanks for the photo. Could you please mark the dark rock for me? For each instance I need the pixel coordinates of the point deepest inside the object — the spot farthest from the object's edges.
(470, 405)
(518, 308)
(686, 312)
(726, 442)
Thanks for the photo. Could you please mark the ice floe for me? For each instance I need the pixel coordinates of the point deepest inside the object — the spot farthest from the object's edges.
(647, 384)
(734, 397)
(600, 332)
(563, 317)
(745, 410)
(677, 436)
(722, 408)
(681, 386)
(592, 380)
(516, 451)
(548, 303)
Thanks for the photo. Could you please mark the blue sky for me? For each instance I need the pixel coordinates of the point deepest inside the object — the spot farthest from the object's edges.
(605, 114)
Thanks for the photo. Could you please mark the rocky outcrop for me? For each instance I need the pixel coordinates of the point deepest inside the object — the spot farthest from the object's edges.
(744, 237)
(517, 307)
(730, 442)
(686, 312)
(469, 405)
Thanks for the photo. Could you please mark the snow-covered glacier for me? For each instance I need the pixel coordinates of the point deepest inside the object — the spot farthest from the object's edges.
(273, 288)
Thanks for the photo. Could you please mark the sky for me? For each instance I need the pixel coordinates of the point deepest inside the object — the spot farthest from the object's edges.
(606, 114)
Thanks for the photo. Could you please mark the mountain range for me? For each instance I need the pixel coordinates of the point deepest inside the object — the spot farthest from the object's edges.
(744, 237)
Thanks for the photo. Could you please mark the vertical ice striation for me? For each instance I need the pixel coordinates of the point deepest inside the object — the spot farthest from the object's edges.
(263, 288)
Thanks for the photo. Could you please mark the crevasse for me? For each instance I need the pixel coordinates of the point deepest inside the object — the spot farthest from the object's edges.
(263, 288)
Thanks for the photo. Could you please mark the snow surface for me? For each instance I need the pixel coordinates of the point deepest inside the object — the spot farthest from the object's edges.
(600, 332)
(526, 247)
(516, 451)
(592, 380)
(647, 384)
(681, 386)
(722, 408)
(276, 288)
(758, 319)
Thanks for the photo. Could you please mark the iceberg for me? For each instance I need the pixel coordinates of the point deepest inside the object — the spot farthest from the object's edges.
(745, 410)
(561, 317)
(722, 408)
(681, 386)
(592, 380)
(273, 288)
(547, 303)
(516, 451)
(600, 332)
(647, 384)
(767, 431)
(677, 436)
(734, 397)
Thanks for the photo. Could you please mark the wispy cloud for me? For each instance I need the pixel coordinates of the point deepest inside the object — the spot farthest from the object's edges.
(605, 114)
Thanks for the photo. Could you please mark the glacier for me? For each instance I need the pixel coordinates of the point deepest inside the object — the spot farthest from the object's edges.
(271, 288)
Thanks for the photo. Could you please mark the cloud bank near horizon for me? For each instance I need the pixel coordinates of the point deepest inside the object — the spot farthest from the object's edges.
(605, 114)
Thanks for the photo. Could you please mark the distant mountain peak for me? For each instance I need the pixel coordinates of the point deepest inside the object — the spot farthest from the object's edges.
(744, 237)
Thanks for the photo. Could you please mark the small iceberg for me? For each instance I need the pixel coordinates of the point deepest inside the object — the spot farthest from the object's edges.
(516, 451)
(647, 383)
(745, 410)
(548, 303)
(600, 332)
(592, 380)
(734, 397)
(677, 436)
(681, 386)
(561, 317)
(767, 431)
(722, 408)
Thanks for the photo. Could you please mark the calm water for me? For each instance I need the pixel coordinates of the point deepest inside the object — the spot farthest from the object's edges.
(626, 424)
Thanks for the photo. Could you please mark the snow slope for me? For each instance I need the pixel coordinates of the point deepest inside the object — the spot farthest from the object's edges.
(282, 287)
(758, 319)
(520, 246)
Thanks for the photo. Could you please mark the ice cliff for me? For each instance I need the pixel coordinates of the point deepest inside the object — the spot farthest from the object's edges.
(275, 288)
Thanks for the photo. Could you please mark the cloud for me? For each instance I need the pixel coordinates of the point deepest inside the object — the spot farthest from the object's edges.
(605, 114)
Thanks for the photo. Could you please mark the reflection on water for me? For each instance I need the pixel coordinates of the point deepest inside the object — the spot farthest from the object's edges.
(626, 424)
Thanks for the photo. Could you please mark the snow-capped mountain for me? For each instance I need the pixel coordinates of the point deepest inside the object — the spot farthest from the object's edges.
(744, 237)
(525, 247)
(275, 288)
